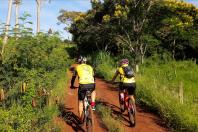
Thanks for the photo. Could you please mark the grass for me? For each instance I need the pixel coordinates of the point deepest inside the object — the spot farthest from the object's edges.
(103, 64)
(158, 89)
(110, 123)
(59, 91)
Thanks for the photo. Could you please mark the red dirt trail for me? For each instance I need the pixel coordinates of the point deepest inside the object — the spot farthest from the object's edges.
(108, 95)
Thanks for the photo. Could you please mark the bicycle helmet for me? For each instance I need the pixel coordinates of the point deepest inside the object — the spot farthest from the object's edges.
(82, 59)
(124, 61)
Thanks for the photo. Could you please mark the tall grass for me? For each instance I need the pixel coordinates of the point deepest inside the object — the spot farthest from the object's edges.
(105, 114)
(103, 64)
(158, 88)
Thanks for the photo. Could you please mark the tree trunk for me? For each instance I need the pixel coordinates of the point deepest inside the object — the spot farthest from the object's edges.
(17, 17)
(142, 58)
(2, 95)
(5, 39)
(38, 15)
(173, 49)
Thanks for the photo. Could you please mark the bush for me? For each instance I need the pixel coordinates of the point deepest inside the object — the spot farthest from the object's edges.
(104, 65)
(40, 62)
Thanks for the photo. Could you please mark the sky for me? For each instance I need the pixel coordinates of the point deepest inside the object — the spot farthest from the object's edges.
(50, 12)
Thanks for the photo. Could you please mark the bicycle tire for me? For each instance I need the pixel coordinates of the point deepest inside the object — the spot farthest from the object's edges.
(131, 113)
(89, 120)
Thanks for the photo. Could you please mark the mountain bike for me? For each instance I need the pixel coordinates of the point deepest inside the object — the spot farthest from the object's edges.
(88, 112)
(127, 104)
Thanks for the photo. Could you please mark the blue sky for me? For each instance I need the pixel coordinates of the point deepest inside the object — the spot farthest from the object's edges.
(50, 11)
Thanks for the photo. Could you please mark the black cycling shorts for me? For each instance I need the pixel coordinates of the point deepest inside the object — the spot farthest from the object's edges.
(130, 87)
(83, 88)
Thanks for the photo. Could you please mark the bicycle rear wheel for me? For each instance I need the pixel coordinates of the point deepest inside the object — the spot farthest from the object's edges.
(89, 121)
(131, 112)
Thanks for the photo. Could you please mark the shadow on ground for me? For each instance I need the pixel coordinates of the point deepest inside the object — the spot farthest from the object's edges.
(116, 113)
(70, 118)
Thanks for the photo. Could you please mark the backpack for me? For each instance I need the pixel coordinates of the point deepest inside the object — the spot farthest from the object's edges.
(128, 72)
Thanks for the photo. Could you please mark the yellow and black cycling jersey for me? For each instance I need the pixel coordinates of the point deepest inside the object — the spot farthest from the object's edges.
(124, 79)
(85, 74)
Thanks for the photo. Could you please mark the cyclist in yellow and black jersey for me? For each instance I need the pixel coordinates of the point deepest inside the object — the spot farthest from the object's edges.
(86, 82)
(125, 82)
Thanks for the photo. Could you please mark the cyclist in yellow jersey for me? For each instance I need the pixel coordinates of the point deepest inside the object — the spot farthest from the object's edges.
(86, 82)
(125, 82)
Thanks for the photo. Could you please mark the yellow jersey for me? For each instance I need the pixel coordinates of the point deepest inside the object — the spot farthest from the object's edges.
(123, 78)
(85, 74)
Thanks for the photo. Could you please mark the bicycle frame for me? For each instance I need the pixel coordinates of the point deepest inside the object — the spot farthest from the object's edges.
(126, 100)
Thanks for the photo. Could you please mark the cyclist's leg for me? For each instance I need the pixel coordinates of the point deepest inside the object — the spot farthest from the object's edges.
(81, 96)
(121, 97)
(121, 93)
(131, 91)
(93, 96)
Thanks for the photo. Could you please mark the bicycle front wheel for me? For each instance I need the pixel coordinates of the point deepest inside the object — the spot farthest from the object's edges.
(90, 120)
(131, 112)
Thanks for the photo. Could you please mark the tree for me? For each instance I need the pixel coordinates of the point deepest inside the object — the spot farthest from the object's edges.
(38, 10)
(142, 9)
(67, 17)
(175, 24)
(136, 27)
(17, 2)
(118, 20)
(7, 26)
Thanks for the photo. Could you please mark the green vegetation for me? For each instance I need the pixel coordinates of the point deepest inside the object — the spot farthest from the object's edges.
(165, 31)
(161, 35)
(33, 72)
(103, 64)
(158, 86)
(158, 89)
(139, 28)
(105, 114)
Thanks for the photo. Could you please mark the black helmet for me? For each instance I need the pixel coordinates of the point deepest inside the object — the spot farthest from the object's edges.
(82, 59)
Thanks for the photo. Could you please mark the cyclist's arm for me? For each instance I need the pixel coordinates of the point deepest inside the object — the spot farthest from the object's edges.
(115, 75)
(74, 72)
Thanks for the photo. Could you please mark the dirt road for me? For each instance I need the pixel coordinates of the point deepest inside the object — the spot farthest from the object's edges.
(108, 95)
